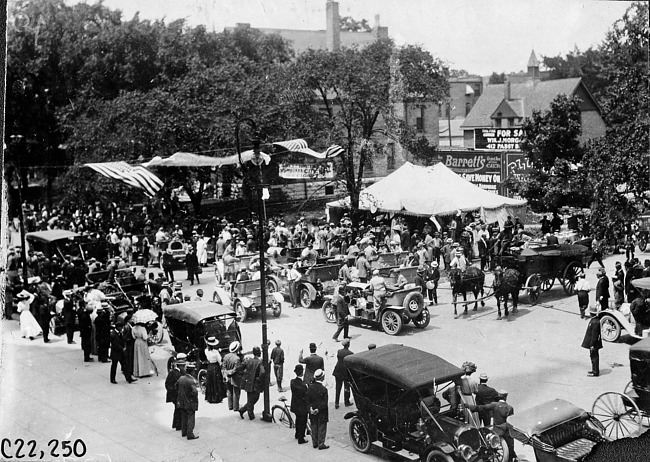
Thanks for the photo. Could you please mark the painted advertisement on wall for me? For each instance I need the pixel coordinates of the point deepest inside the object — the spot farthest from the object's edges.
(482, 169)
(516, 166)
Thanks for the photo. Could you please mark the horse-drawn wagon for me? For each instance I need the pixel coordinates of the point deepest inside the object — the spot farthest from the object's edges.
(539, 267)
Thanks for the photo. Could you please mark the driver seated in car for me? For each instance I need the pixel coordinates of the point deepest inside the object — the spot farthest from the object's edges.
(378, 290)
(243, 275)
(401, 280)
(432, 403)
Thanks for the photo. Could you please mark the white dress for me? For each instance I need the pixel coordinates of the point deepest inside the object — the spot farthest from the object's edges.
(201, 251)
(29, 327)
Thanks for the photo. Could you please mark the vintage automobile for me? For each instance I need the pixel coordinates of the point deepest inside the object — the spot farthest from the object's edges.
(245, 298)
(190, 323)
(401, 307)
(179, 251)
(558, 431)
(613, 321)
(56, 242)
(387, 260)
(396, 390)
(316, 282)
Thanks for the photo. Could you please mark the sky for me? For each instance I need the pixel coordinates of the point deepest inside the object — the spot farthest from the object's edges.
(479, 36)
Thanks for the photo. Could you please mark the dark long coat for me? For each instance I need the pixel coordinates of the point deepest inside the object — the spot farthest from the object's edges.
(188, 395)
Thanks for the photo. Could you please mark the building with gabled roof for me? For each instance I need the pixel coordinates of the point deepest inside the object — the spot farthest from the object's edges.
(507, 105)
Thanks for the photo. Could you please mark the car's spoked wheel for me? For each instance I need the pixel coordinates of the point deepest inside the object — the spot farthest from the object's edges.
(305, 299)
(610, 330)
(423, 320)
(360, 435)
(619, 414)
(202, 378)
(240, 311)
(329, 312)
(391, 322)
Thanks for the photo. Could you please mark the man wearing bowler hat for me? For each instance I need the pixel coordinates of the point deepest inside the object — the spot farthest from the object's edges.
(299, 403)
(172, 394)
(188, 400)
(312, 363)
(341, 374)
(485, 395)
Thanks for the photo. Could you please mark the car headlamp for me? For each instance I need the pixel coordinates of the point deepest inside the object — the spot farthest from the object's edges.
(466, 451)
(494, 441)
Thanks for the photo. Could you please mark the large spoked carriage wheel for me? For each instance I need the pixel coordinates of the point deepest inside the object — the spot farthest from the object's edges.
(240, 311)
(423, 320)
(547, 284)
(619, 414)
(329, 312)
(631, 393)
(534, 288)
(610, 329)
(413, 304)
(304, 297)
(360, 435)
(570, 276)
(391, 322)
(281, 416)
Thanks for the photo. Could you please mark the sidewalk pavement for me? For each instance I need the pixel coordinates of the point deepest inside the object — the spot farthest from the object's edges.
(48, 392)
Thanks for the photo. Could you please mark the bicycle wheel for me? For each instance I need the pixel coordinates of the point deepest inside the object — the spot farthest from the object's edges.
(281, 416)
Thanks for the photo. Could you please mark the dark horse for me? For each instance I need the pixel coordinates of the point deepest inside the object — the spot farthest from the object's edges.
(506, 282)
(472, 279)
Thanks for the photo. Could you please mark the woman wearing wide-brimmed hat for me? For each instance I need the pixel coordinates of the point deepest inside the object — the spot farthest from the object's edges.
(215, 389)
(29, 327)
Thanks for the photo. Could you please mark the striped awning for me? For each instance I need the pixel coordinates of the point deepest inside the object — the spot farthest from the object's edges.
(133, 175)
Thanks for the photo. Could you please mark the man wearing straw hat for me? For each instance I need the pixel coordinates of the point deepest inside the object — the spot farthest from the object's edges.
(593, 341)
(318, 411)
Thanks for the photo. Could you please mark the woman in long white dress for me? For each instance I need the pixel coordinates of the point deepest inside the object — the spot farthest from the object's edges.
(142, 363)
(29, 327)
(202, 250)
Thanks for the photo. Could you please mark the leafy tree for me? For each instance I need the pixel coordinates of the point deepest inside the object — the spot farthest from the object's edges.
(617, 164)
(586, 65)
(551, 142)
(356, 88)
(497, 78)
(349, 24)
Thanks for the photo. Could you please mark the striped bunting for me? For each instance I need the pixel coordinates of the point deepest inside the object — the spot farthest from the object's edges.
(133, 175)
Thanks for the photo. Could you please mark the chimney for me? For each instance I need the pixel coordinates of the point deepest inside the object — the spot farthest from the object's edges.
(333, 33)
(506, 90)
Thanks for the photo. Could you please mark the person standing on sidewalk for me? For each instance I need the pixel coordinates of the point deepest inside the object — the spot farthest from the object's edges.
(293, 276)
(318, 412)
(172, 394)
(341, 375)
(342, 312)
(312, 363)
(69, 315)
(232, 376)
(188, 400)
(277, 357)
(86, 331)
(299, 403)
(582, 288)
(602, 289)
(103, 332)
(593, 342)
(118, 352)
(129, 339)
(253, 382)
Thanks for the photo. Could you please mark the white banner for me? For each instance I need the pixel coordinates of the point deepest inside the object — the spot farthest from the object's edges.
(324, 171)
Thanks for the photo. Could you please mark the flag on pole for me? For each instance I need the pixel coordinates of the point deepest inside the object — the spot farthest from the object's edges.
(133, 175)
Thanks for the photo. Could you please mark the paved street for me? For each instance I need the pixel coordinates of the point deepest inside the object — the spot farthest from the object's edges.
(48, 392)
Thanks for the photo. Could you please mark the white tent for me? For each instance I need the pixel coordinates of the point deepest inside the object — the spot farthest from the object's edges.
(432, 191)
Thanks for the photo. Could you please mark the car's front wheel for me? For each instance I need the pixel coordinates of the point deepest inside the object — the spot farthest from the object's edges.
(360, 435)
(438, 456)
(240, 311)
(391, 322)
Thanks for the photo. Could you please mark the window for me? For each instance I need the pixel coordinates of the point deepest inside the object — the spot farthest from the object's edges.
(468, 107)
(440, 110)
(477, 90)
(511, 122)
(390, 156)
(497, 123)
(419, 124)
(329, 190)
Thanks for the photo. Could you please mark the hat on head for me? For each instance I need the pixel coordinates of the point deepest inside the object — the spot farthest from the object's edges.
(178, 285)
(299, 369)
(312, 346)
(169, 251)
(67, 293)
(455, 244)
(459, 252)
(469, 366)
(319, 374)
(434, 264)
(257, 351)
(199, 291)
(181, 359)
(421, 269)
(601, 270)
(449, 240)
(278, 342)
(212, 341)
(375, 272)
(345, 342)
(372, 346)
(234, 346)
(24, 295)
(483, 376)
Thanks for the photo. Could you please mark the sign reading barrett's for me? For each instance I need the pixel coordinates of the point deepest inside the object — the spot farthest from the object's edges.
(497, 139)
(483, 170)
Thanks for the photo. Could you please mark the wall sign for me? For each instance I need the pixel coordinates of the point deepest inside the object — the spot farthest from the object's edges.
(497, 139)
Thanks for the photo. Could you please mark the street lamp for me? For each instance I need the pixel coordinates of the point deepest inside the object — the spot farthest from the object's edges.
(257, 160)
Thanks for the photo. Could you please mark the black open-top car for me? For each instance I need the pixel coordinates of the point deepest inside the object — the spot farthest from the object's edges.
(397, 391)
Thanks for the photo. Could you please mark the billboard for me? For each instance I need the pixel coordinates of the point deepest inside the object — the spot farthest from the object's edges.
(320, 171)
(516, 165)
(481, 169)
(497, 139)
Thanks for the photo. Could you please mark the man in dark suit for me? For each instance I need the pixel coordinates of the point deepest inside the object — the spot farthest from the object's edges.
(188, 400)
(252, 382)
(342, 312)
(318, 412)
(341, 375)
(118, 353)
(86, 331)
(602, 289)
(127, 334)
(593, 342)
(485, 395)
(69, 315)
(312, 363)
(103, 332)
(501, 411)
(299, 403)
(172, 393)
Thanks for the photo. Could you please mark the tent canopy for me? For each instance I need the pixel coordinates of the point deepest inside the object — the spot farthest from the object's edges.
(432, 191)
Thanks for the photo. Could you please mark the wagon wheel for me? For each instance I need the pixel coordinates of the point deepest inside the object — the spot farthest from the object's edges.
(547, 283)
(631, 393)
(570, 276)
(534, 288)
(619, 414)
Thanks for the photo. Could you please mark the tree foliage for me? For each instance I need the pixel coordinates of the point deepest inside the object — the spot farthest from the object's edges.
(551, 141)
(349, 24)
(587, 65)
(357, 88)
(497, 78)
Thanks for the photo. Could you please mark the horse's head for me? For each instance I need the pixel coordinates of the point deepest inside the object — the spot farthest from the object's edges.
(455, 276)
(498, 276)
